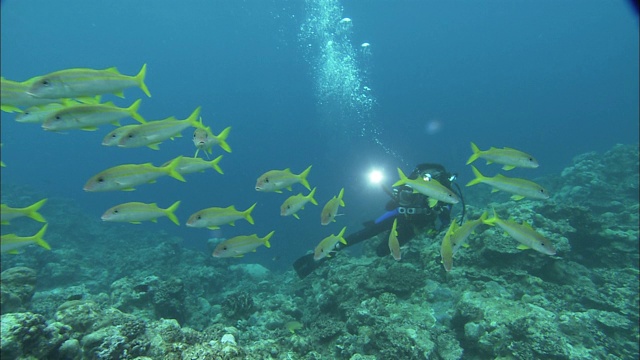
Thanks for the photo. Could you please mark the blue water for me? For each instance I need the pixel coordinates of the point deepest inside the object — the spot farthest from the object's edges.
(555, 79)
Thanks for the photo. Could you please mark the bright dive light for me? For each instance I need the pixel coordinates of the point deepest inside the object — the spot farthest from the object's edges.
(375, 176)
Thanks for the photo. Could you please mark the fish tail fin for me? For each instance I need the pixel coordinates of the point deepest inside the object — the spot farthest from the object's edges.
(484, 216)
(171, 169)
(133, 110)
(395, 226)
(266, 239)
(478, 179)
(303, 178)
(170, 212)
(37, 238)
(214, 164)
(340, 195)
(310, 196)
(222, 138)
(140, 79)
(32, 211)
(492, 220)
(341, 235)
(475, 155)
(403, 178)
(247, 213)
(195, 120)
(10, 108)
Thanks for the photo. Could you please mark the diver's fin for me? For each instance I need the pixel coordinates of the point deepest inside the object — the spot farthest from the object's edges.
(305, 265)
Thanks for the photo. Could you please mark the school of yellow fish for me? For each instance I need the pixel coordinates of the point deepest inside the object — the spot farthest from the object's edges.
(70, 100)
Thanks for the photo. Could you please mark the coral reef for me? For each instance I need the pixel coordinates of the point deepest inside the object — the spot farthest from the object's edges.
(156, 299)
(17, 287)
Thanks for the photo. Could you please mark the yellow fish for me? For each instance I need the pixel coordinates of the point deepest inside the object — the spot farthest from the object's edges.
(7, 213)
(126, 177)
(328, 244)
(330, 210)
(10, 243)
(292, 326)
(38, 114)
(190, 165)
(276, 180)
(112, 138)
(524, 234)
(521, 188)
(394, 244)
(446, 249)
(74, 83)
(431, 188)
(153, 133)
(13, 96)
(297, 202)
(455, 237)
(510, 158)
(205, 140)
(136, 212)
(213, 217)
(240, 245)
(90, 116)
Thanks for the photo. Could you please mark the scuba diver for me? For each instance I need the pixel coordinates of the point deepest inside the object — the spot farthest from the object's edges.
(411, 209)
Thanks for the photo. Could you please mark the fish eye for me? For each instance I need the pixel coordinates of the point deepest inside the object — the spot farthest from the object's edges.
(100, 179)
(130, 136)
(288, 207)
(266, 180)
(224, 248)
(45, 82)
(199, 217)
(115, 211)
(57, 117)
(542, 191)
